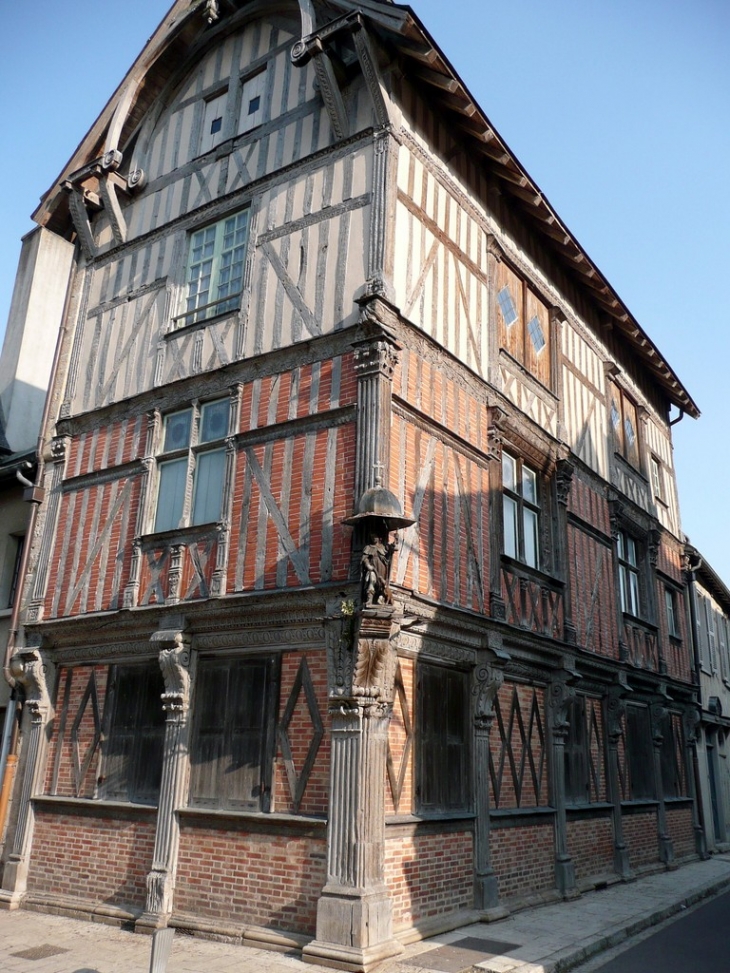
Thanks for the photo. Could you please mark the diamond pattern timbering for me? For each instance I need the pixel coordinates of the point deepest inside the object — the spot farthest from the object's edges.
(298, 782)
(596, 790)
(519, 749)
(81, 764)
(401, 715)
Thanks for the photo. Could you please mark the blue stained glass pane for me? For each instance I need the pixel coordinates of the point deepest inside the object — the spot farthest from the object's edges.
(507, 306)
(535, 331)
(216, 125)
(254, 104)
(615, 415)
(630, 434)
(214, 420)
(177, 430)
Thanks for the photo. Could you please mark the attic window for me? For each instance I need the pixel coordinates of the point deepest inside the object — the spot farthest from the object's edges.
(252, 102)
(507, 306)
(535, 332)
(213, 115)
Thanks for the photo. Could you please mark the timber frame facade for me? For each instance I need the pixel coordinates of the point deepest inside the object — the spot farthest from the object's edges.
(309, 275)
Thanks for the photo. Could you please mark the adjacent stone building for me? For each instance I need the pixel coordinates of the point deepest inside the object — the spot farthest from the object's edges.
(355, 603)
(709, 611)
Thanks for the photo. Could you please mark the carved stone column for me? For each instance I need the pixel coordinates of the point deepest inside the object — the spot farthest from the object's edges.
(354, 912)
(487, 683)
(615, 715)
(375, 360)
(564, 481)
(561, 693)
(658, 713)
(31, 671)
(177, 662)
(691, 722)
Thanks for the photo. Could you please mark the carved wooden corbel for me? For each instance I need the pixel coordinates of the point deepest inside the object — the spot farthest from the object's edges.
(488, 680)
(175, 659)
(29, 670)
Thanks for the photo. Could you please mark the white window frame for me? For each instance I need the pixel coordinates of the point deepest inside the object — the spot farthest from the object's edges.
(184, 470)
(670, 603)
(629, 571)
(520, 511)
(216, 269)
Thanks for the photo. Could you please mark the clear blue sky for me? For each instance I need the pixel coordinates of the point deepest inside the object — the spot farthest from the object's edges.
(619, 110)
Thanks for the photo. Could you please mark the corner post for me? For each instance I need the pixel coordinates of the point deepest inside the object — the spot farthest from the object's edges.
(354, 912)
(177, 662)
(31, 670)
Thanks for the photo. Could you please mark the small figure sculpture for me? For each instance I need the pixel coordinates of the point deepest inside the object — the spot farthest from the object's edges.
(376, 560)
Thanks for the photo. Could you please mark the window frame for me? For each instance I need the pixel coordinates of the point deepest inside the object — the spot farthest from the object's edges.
(191, 455)
(522, 507)
(671, 599)
(213, 265)
(524, 350)
(628, 553)
(222, 782)
(622, 410)
(252, 86)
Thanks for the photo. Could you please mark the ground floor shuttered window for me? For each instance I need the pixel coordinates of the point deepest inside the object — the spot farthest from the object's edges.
(135, 733)
(640, 751)
(444, 754)
(232, 745)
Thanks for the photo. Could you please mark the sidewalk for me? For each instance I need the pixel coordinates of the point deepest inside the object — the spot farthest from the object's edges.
(548, 939)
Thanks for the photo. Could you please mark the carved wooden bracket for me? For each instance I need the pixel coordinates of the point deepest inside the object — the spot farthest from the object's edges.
(29, 669)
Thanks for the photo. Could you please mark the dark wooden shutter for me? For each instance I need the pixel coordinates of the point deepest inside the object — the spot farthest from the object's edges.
(233, 730)
(443, 739)
(576, 754)
(640, 753)
(133, 750)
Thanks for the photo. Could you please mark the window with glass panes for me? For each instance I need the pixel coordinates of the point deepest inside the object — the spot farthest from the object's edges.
(216, 265)
(628, 566)
(521, 511)
(670, 601)
(625, 426)
(192, 449)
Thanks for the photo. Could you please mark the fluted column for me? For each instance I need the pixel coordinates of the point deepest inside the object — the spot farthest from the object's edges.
(177, 662)
(31, 670)
(615, 714)
(354, 912)
(659, 713)
(376, 357)
(487, 682)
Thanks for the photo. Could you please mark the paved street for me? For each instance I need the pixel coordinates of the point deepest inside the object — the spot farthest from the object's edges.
(543, 940)
(696, 941)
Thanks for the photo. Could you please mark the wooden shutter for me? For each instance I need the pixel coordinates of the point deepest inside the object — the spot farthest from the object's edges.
(443, 739)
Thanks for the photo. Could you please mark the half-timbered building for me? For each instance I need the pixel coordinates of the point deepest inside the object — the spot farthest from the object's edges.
(355, 603)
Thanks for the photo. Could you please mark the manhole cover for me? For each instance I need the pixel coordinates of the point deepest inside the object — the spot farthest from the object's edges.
(40, 952)
(460, 955)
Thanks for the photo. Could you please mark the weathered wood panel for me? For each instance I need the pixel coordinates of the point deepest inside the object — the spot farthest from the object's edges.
(583, 400)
